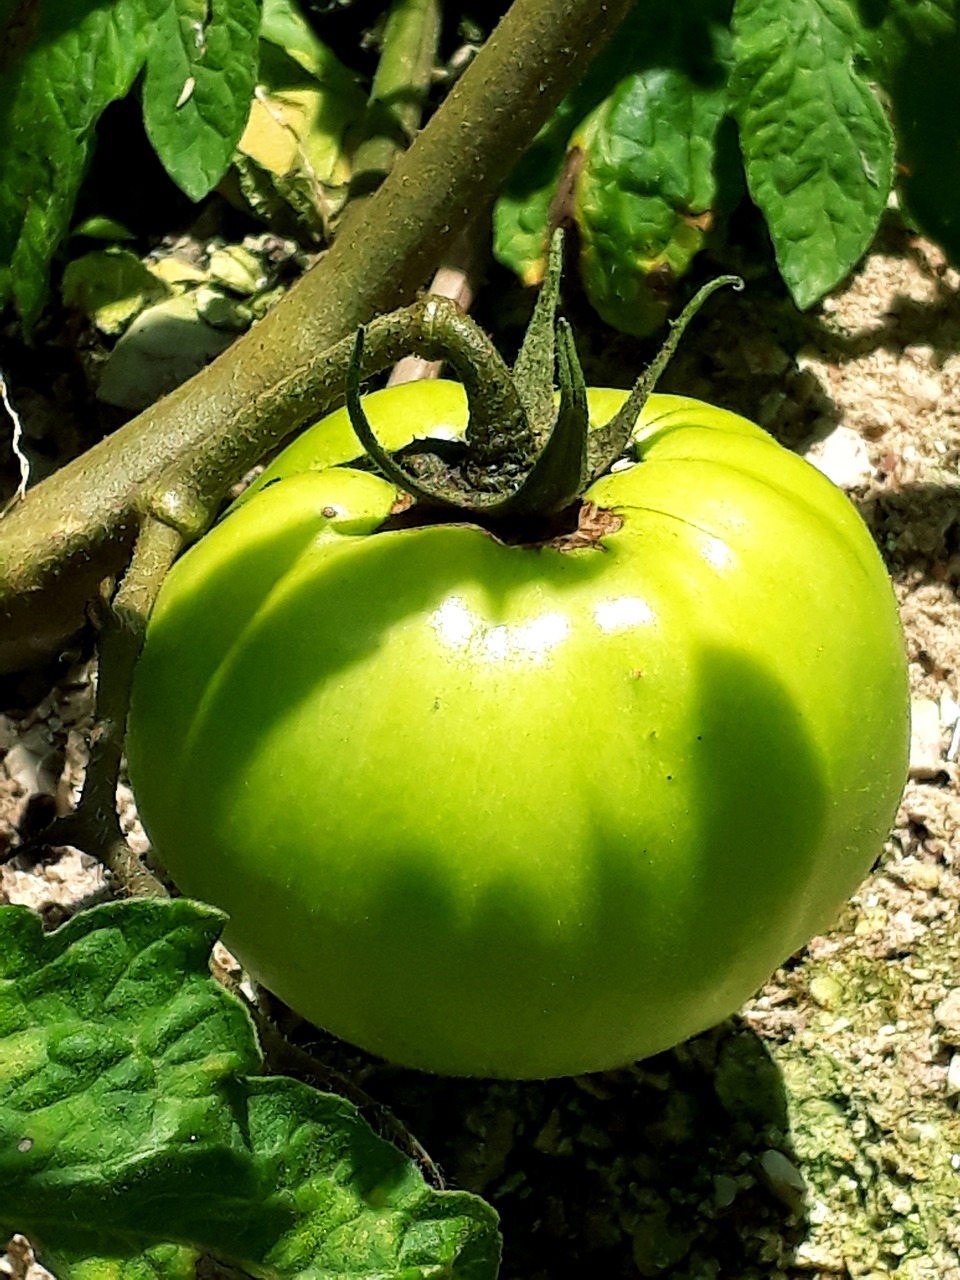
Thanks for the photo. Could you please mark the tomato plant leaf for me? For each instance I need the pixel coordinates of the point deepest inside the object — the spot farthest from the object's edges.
(521, 214)
(159, 1262)
(63, 69)
(129, 1122)
(646, 191)
(891, 29)
(64, 64)
(925, 92)
(913, 49)
(817, 146)
(292, 163)
(631, 159)
(200, 76)
(542, 178)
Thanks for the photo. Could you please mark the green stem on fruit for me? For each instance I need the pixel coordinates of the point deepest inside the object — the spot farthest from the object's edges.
(524, 456)
(365, 434)
(500, 450)
(607, 443)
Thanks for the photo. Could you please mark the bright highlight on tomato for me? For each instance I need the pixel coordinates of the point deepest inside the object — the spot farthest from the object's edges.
(525, 811)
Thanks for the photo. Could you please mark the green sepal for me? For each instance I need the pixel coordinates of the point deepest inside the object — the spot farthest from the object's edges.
(557, 477)
(607, 443)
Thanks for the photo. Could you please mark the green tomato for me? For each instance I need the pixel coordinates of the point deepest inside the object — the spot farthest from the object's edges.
(515, 811)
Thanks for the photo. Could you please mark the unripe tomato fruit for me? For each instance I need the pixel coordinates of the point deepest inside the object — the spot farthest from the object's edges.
(516, 811)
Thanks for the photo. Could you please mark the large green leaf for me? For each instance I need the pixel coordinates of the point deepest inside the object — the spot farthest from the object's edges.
(913, 49)
(200, 76)
(131, 1129)
(646, 191)
(65, 62)
(630, 156)
(817, 146)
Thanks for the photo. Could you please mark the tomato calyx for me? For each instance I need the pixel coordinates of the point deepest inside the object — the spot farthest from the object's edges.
(528, 454)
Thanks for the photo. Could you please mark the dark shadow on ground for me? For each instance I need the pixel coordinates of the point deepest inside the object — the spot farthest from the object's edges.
(680, 1167)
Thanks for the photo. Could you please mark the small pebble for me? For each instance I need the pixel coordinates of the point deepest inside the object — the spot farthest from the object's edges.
(926, 739)
(947, 1014)
(782, 1177)
(843, 458)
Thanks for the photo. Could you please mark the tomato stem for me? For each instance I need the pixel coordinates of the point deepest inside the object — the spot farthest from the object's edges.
(556, 478)
(523, 456)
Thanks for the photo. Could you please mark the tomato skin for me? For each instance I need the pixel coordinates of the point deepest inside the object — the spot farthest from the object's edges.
(503, 811)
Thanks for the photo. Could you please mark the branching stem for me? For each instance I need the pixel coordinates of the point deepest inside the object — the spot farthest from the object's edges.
(94, 825)
(78, 526)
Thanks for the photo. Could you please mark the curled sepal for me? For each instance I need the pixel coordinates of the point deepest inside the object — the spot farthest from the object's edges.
(558, 474)
(498, 434)
(364, 432)
(607, 443)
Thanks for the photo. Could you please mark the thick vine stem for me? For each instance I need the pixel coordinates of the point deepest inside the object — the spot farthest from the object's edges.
(456, 279)
(498, 433)
(78, 526)
(501, 447)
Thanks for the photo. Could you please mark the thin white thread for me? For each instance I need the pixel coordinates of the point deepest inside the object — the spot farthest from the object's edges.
(22, 460)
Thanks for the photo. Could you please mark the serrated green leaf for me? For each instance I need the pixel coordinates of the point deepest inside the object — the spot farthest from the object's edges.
(817, 146)
(200, 76)
(646, 191)
(129, 1123)
(913, 47)
(631, 158)
(64, 67)
(891, 29)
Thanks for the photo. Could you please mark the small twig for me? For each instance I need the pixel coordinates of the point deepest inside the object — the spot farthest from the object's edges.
(94, 826)
(399, 90)
(17, 444)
